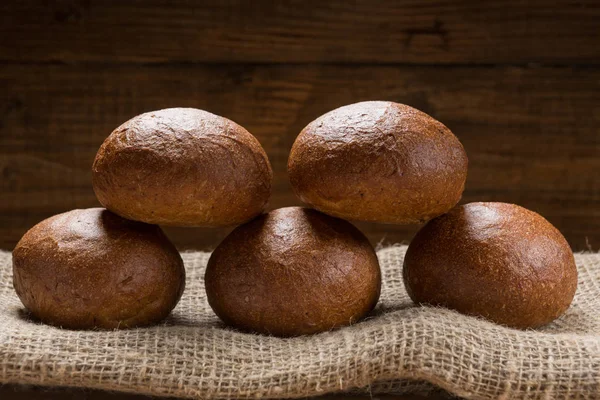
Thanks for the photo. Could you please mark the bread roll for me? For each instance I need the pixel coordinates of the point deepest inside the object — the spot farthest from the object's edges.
(378, 161)
(494, 260)
(291, 272)
(182, 167)
(93, 269)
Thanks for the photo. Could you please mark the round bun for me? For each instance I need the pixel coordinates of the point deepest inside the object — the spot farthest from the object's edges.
(182, 167)
(291, 272)
(378, 161)
(494, 260)
(93, 269)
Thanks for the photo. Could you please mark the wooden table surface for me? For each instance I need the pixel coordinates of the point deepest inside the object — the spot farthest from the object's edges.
(13, 392)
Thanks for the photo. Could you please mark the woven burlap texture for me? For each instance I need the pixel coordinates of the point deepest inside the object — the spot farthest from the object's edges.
(400, 348)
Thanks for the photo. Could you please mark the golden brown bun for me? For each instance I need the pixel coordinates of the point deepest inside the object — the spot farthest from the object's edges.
(291, 272)
(494, 260)
(93, 269)
(183, 167)
(378, 161)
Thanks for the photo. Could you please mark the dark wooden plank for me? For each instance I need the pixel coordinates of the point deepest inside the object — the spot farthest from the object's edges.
(314, 31)
(16, 392)
(532, 134)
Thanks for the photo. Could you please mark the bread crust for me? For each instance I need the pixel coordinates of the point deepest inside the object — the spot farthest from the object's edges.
(378, 161)
(293, 271)
(495, 260)
(90, 268)
(182, 167)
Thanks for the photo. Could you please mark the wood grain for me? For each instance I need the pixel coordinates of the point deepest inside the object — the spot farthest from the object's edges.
(299, 31)
(16, 392)
(532, 134)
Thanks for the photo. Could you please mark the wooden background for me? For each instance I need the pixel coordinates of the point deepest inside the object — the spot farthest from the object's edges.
(517, 81)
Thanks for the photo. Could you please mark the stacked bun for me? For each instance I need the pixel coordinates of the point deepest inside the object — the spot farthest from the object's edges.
(182, 167)
(93, 269)
(494, 260)
(378, 161)
(292, 271)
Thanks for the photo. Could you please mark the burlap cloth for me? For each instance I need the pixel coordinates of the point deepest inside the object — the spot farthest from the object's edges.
(400, 348)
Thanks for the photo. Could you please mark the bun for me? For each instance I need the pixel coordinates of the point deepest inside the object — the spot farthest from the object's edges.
(182, 167)
(378, 161)
(291, 272)
(93, 269)
(494, 260)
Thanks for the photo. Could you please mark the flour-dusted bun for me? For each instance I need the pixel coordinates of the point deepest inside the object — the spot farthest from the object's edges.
(93, 269)
(494, 260)
(182, 167)
(291, 272)
(378, 161)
